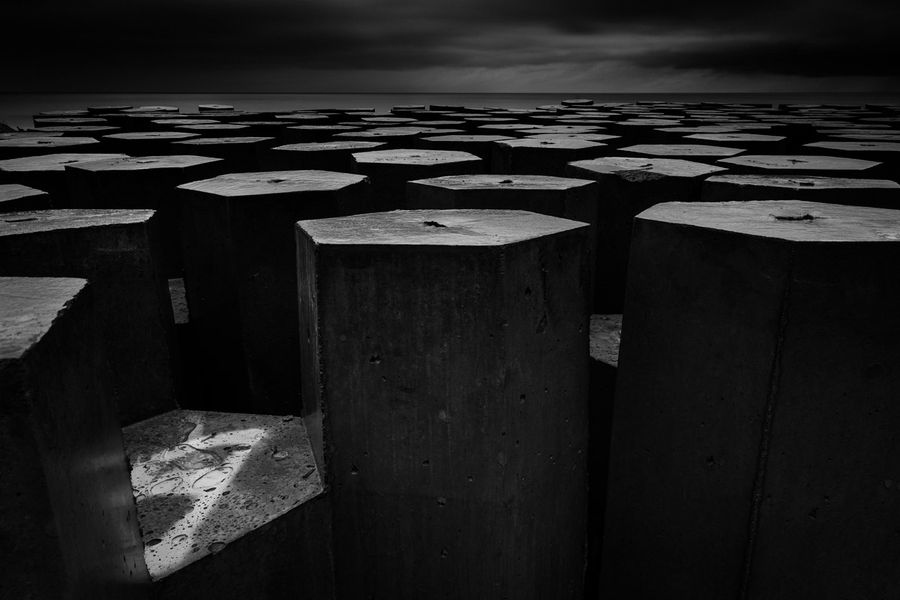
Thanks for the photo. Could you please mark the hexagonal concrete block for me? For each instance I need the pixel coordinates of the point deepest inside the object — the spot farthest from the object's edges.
(629, 185)
(799, 164)
(68, 527)
(35, 146)
(881, 193)
(542, 156)
(446, 351)
(241, 278)
(755, 429)
(15, 197)
(119, 252)
(47, 172)
(389, 170)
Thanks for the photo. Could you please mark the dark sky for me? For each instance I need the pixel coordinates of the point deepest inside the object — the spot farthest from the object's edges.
(450, 45)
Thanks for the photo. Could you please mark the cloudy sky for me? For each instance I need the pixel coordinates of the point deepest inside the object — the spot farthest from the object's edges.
(450, 45)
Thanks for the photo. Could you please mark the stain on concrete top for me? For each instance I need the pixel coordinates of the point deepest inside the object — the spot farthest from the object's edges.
(799, 162)
(53, 162)
(458, 227)
(204, 479)
(337, 145)
(791, 220)
(606, 337)
(146, 163)
(37, 221)
(273, 182)
(563, 129)
(47, 142)
(405, 156)
(14, 191)
(28, 308)
(12, 135)
(682, 150)
(622, 165)
(504, 182)
(809, 182)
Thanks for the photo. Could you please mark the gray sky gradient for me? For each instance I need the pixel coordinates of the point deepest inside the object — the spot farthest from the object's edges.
(451, 46)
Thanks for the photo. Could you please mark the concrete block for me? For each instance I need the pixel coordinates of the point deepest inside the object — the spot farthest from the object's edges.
(119, 252)
(68, 527)
(389, 170)
(833, 190)
(479, 145)
(705, 153)
(629, 185)
(798, 164)
(240, 278)
(754, 435)
(240, 153)
(34, 146)
(447, 353)
(48, 172)
(15, 197)
(325, 156)
(146, 143)
(542, 157)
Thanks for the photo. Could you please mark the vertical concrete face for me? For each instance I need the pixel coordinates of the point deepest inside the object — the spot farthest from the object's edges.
(446, 351)
(118, 251)
(628, 186)
(327, 156)
(143, 182)
(146, 143)
(542, 157)
(240, 278)
(47, 172)
(575, 199)
(754, 387)
(68, 527)
(242, 153)
(389, 170)
(15, 197)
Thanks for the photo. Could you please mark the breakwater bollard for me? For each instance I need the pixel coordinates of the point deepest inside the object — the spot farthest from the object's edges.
(754, 437)
(447, 351)
(479, 145)
(705, 153)
(68, 527)
(146, 143)
(240, 279)
(20, 147)
(15, 197)
(47, 172)
(324, 156)
(389, 170)
(755, 143)
(119, 252)
(143, 182)
(543, 156)
(881, 193)
(799, 164)
(629, 185)
(241, 153)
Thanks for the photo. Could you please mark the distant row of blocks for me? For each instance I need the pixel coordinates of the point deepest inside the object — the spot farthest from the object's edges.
(116, 250)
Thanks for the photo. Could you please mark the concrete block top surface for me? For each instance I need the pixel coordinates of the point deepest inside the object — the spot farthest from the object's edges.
(789, 220)
(406, 156)
(336, 145)
(504, 182)
(563, 129)
(682, 150)
(151, 108)
(213, 127)
(47, 142)
(201, 480)
(28, 307)
(12, 135)
(799, 162)
(273, 182)
(39, 221)
(587, 137)
(555, 143)
(735, 137)
(639, 169)
(14, 191)
(53, 162)
(468, 138)
(151, 135)
(605, 338)
(146, 163)
(183, 121)
(215, 141)
(875, 146)
(453, 228)
(809, 182)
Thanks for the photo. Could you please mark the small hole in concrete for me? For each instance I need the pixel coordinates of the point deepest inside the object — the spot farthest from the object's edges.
(20, 220)
(432, 224)
(506, 181)
(276, 181)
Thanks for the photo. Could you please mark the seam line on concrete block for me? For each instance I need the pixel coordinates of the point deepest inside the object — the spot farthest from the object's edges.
(766, 431)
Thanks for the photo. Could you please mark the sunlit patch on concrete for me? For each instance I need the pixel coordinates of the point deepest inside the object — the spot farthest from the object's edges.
(203, 479)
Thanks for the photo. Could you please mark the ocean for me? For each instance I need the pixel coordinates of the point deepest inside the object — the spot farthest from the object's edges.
(17, 109)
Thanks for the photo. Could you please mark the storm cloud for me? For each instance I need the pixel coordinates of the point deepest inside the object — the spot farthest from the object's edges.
(462, 45)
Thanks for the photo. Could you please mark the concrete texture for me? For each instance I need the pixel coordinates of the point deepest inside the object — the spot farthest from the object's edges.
(808, 164)
(241, 281)
(47, 172)
(755, 392)
(629, 185)
(542, 156)
(34, 146)
(446, 351)
(118, 251)
(328, 156)
(68, 527)
(15, 197)
(878, 193)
